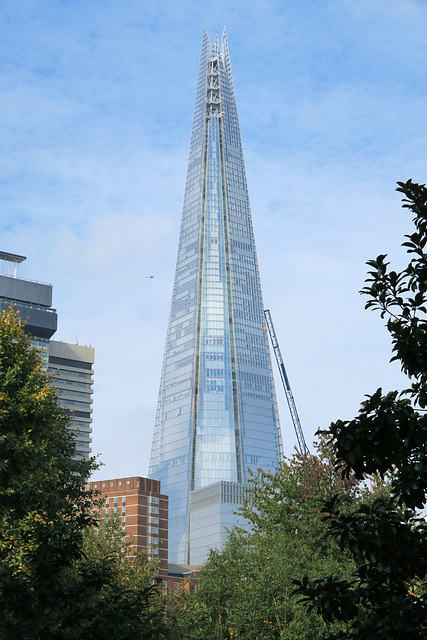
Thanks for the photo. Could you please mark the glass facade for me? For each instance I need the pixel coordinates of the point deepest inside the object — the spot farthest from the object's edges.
(212, 515)
(217, 414)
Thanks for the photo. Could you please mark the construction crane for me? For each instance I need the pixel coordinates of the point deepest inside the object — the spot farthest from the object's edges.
(287, 387)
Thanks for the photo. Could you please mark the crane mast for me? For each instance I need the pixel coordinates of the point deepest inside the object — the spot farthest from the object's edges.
(287, 387)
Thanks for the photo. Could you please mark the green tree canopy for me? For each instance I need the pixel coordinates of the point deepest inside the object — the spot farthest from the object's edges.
(50, 585)
(385, 598)
(245, 591)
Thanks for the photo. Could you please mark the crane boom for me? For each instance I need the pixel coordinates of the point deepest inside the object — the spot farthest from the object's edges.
(287, 387)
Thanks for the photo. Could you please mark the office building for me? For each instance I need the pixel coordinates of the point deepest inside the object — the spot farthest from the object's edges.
(32, 300)
(142, 511)
(217, 413)
(72, 364)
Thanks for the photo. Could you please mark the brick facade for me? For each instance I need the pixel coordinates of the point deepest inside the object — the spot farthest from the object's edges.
(143, 511)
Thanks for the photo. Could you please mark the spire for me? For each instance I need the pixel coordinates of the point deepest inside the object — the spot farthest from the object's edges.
(216, 415)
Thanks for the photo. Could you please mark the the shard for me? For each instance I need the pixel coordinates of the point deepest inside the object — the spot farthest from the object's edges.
(217, 414)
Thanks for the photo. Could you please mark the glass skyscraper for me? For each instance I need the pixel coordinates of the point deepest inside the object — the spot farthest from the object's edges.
(217, 413)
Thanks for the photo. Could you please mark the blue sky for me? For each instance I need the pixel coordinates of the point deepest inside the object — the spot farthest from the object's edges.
(96, 103)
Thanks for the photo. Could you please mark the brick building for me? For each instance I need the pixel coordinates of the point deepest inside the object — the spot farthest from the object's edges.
(182, 576)
(143, 511)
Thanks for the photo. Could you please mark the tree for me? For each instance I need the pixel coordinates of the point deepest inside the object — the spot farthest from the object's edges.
(245, 591)
(386, 597)
(49, 587)
(139, 608)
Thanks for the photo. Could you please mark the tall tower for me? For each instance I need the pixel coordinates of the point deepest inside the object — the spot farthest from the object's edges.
(217, 414)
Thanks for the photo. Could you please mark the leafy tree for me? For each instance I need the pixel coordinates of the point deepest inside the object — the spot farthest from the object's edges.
(49, 587)
(134, 573)
(386, 596)
(245, 591)
(128, 604)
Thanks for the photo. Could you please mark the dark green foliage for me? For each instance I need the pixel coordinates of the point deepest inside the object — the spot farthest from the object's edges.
(51, 586)
(388, 435)
(245, 591)
(386, 598)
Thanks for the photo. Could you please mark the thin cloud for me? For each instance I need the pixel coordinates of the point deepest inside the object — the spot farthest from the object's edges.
(97, 101)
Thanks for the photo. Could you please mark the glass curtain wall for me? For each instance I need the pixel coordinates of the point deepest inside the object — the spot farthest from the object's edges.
(216, 415)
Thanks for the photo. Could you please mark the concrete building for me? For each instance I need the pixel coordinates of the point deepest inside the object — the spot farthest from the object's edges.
(33, 301)
(217, 412)
(72, 364)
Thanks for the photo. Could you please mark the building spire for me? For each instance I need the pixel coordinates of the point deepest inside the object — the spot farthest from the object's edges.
(216, 414)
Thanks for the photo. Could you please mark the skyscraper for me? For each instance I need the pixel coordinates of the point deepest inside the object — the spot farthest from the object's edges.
(217, 413)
